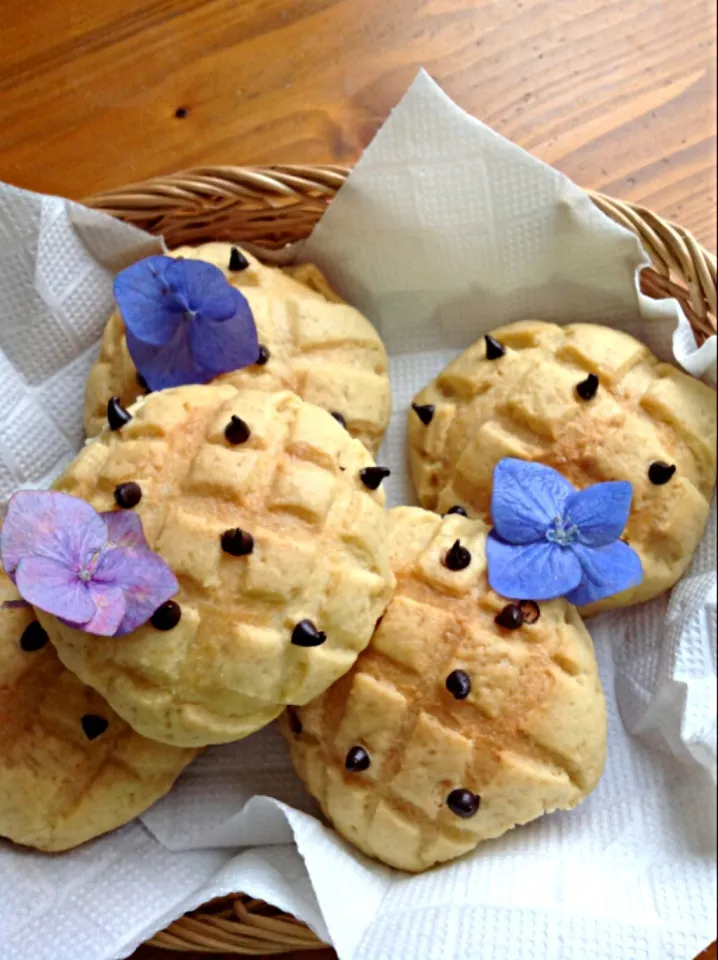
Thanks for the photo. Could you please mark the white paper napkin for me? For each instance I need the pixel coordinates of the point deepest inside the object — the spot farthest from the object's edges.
(443, 230)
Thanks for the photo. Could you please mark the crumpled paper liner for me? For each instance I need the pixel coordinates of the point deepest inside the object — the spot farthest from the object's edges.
(443, 231)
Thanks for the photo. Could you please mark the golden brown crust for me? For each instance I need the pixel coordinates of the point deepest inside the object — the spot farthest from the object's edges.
(320, 553)
(524, 404)
(57, 787)
(529, 738)
(320, 347)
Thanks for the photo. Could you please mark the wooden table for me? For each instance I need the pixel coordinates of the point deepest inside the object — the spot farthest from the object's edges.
(619, 94)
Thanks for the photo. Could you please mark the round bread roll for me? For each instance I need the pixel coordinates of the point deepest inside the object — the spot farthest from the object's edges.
(452, 728)
(70, 768)
(315, 345)
(272, 518)
(594, 404)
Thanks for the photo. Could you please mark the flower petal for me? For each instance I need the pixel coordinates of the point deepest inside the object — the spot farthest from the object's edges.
(202, 288)
(168, 366)
(110, 607)
(537, 571)
(229, 345)
(149, 309)
(124, 529)
(526, 499)
(600, 512)
(210, 329)
(606, 570)
(145, 579)
(42, 523)
(49, 585)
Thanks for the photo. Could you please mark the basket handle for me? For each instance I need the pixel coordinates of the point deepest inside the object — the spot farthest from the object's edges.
(275, 205)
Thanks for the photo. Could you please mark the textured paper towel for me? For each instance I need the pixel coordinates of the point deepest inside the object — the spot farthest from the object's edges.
(443, 230)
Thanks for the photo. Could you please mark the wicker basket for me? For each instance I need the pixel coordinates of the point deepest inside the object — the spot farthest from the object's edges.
(272, 206)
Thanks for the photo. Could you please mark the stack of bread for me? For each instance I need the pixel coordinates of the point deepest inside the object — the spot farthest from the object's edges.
(429, 667)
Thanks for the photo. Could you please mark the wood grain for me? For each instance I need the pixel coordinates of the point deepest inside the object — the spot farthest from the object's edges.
(619, 94)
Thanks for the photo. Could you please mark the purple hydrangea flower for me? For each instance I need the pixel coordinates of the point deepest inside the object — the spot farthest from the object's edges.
(94, 571)
(184, 322)
(550, 540)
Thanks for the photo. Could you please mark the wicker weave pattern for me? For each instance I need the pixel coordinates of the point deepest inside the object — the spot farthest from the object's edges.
(272, 206)
(239, 925)
(275, 205)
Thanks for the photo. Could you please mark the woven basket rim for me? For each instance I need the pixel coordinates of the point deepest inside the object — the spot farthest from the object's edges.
(270, 206)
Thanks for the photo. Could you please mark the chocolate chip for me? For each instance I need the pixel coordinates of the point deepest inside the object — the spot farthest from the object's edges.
(357, 760)
(264, 355)
(530, 611)
(237, 431)
(117, 416)
(587, 388)
(424, 412)
(494, 349)
(458, 683)
(237, 542)
(372, 477)
(94, 726)
(181, 113)
(459, 511)
(295, 724)
(463, 803)
(128, 495)
(339, 419)
(458, 557)
(510, 617)
(660, 472)
(167, 616)
(237, 260)
(305, 634)
(33, 638)
(141, 382)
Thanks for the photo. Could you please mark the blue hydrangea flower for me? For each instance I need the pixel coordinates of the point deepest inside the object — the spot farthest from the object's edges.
(550, 540)
(94, 571)
(184, 322)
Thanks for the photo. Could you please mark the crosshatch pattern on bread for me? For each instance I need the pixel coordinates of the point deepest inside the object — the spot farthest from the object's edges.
(450, 729)
(535, 397)
(70, 768)
(265, 619)
(315, 345)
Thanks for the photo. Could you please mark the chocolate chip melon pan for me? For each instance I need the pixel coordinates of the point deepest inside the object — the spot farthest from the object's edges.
(273, 206)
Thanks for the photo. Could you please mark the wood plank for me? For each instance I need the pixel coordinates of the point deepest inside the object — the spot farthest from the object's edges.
(619, 94)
